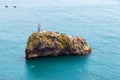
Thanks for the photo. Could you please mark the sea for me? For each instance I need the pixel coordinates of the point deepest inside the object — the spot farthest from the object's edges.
(98, 21)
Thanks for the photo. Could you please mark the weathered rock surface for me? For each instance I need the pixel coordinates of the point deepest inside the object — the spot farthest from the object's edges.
(55, 44)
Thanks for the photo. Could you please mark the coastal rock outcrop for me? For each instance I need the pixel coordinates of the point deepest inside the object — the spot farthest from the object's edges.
(48, 43)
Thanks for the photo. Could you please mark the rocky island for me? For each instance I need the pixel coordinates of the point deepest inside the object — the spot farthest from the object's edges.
(46, 43)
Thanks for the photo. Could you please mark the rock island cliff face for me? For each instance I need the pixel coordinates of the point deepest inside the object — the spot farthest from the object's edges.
(55, 44)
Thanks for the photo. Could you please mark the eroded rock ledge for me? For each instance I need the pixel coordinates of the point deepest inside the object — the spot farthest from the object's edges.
(55, 44)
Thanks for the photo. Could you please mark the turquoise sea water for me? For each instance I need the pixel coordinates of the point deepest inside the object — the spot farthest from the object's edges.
(98, 21)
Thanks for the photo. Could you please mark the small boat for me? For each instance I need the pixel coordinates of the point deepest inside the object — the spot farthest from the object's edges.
(6, 6)
(14, 6)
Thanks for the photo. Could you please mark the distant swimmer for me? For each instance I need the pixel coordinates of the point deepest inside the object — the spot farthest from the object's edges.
(14, 6)
(6, 6)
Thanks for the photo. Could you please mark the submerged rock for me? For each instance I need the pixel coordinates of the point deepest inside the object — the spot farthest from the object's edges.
(55, 44)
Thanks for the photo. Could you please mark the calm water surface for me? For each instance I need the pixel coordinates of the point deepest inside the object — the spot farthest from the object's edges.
(98, 21)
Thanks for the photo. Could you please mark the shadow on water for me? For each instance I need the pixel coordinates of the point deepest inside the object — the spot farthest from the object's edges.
(56, 67)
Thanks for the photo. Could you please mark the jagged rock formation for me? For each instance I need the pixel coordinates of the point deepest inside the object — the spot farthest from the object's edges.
(55, 44)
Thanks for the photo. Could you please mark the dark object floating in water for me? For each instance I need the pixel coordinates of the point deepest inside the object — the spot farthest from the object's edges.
(14, 6)
(46, 43)
(6, 6)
